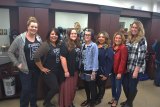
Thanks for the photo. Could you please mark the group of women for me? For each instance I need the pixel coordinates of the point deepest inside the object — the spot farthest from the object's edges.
(62, 62)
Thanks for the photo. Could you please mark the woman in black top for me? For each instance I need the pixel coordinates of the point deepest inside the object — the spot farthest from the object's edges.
(70, 52)
(50, 65)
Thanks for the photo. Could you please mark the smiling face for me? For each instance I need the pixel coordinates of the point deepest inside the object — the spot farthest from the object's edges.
(118, 40)
(134, 29)
(73, 35)
(53, 37)
(87, 36)
(101, 39)
(32, 28)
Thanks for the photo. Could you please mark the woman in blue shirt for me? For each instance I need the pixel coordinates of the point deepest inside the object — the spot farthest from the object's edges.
(89, 67)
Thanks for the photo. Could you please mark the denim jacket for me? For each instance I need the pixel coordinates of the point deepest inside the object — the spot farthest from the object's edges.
(91, 57)
(16, 52)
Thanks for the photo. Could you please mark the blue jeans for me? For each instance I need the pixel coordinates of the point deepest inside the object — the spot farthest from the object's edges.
(116, 86)
(29, 88)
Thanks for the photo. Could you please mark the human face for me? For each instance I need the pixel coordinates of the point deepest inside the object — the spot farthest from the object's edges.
(53, 37)
(73, 35)
(134, 29)
(33, 28)
(118, 40)
(87, 36)
(101, 39)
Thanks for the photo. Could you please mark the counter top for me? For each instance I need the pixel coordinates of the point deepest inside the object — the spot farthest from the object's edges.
(4, 58)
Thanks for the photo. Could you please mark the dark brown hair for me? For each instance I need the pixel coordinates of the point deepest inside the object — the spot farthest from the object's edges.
(70, 43)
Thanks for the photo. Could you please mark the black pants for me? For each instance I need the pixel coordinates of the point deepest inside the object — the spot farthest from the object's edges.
(52, 83)
(29, 88)
(90, 89)
(130, 87)
(101, 87)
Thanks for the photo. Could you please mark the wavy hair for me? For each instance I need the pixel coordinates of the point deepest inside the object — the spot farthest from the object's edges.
(107, 39)
(121, 34)
(140, 34)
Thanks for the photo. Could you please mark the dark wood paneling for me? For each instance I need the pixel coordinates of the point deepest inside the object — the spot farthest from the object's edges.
(8, 3)
(154, 31)
(69, 6)
(147, 23)
(51, 18)
(109, 23)
(93, 22)
(14, 24)
(24, 14)
(135, 13)
(43, 17)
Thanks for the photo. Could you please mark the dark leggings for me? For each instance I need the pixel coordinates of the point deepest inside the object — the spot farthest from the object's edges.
(52, 83)
(90, 89)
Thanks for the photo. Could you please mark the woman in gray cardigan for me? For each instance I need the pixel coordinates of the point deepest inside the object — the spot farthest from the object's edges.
(21, 54)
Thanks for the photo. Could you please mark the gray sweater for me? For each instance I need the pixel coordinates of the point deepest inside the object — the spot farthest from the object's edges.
(16, 52)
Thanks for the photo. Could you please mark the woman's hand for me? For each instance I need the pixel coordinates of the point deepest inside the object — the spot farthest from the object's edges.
(135, 73)
(103, 77)
(119, 76)
(45, 70)
(20, 66)
(66, 74)
(93, 75)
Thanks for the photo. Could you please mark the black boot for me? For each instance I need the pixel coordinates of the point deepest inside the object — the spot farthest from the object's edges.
(131, 97)
(126, 94)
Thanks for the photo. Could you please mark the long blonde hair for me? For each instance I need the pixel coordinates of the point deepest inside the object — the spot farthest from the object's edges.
(140, 34)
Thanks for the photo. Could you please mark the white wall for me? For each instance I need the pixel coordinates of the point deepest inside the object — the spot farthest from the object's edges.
(67, 20)
(4, 24)
(127, 21)
(146, 5)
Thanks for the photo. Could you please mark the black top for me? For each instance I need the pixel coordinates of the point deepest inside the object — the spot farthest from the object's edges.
(105, 58)
(72, 58)
(29, 49)
(52, 60)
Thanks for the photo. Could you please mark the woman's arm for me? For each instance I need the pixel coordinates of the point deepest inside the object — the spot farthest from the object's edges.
(13, 49)
(64, 66)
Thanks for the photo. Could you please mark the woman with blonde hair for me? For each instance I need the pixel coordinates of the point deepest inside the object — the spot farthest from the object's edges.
(21, 54)
(137, 48)
(119, 66)
(105, 59)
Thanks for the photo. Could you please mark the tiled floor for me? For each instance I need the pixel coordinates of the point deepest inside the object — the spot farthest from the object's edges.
(148, 96)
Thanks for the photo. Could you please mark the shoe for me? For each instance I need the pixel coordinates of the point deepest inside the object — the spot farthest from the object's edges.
(110, 102)
(123, 103)
(97, 102)
(114, 104)
(49, 105)
(85, 103)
